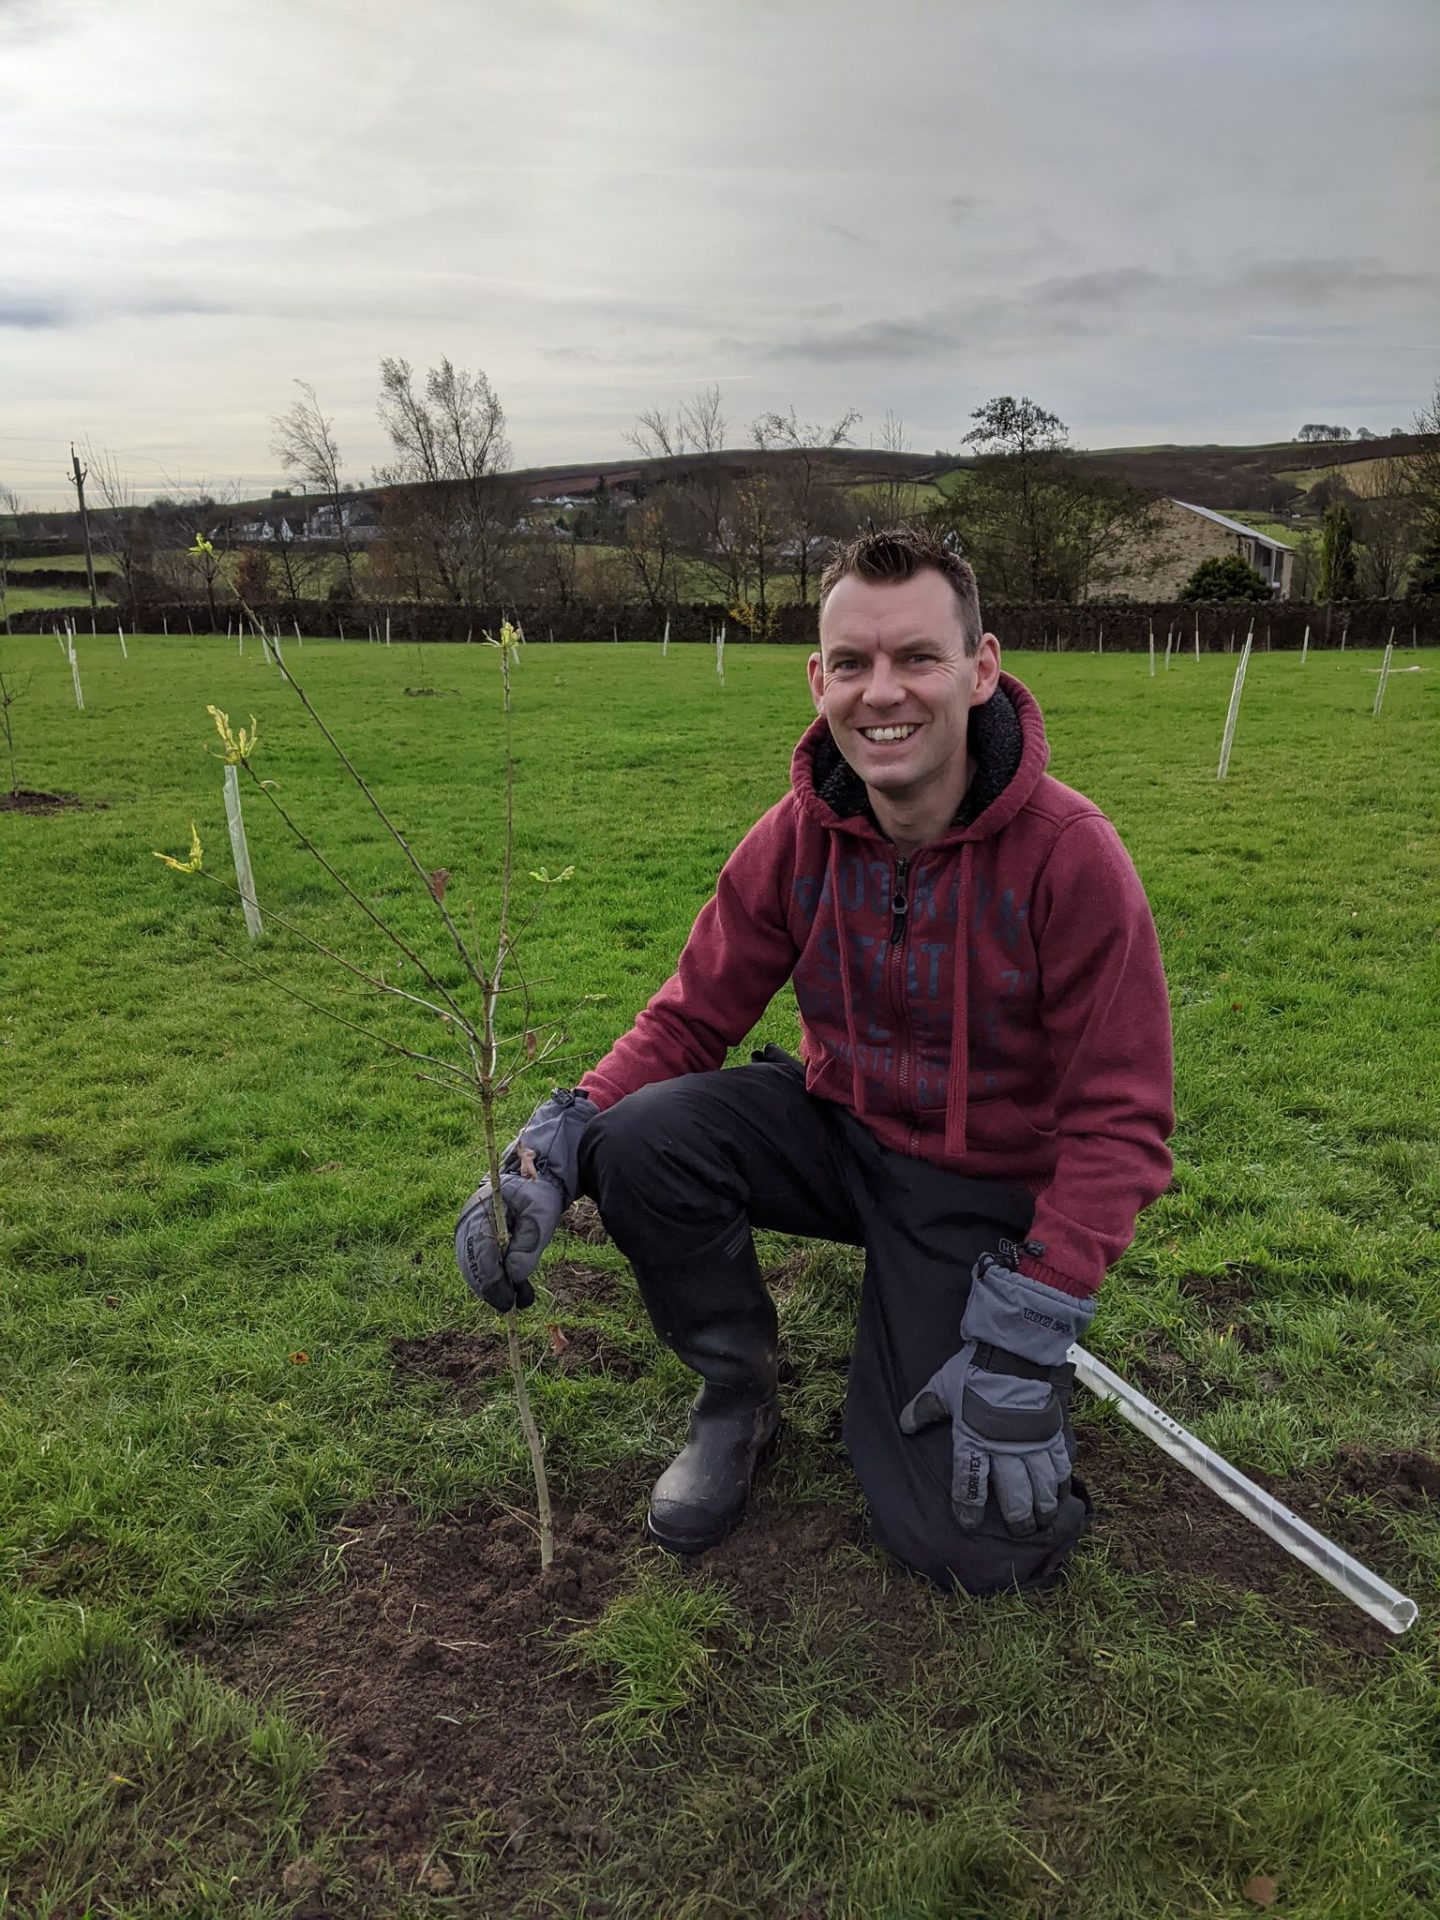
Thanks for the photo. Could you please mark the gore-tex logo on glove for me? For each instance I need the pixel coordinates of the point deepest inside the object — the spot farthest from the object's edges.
(1044, 1320)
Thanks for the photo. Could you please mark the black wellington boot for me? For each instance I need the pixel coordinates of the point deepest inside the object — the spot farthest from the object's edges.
(701, 1495)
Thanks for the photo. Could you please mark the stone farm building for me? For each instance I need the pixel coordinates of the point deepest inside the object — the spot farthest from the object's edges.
(1191, 534)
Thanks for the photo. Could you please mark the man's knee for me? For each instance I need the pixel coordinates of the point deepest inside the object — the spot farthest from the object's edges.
(649, 1124)
(654, 1157)
(921, 1532)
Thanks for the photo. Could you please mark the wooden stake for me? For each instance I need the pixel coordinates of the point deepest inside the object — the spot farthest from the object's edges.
(121, 631)
(1305, 645)
(387, 629)
(75, 678)
(1233, 715)
(165, 622)
(1169, 637)
(1152, 649)
(1101, 647)
(665, 641)
(1197, 633)
(244, 879)
(1344, 633)
(298, 641)
(720, 653)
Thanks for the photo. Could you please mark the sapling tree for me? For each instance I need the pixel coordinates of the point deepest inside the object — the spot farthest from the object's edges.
(10, 692)
(495, 1049)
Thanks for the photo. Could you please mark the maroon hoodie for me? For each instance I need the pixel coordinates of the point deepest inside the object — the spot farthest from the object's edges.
(1035, 1049)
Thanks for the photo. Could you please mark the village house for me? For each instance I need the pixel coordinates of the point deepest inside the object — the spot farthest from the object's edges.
(1190, 534)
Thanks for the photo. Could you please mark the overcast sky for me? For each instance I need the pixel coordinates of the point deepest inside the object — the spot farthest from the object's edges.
(1177, 220)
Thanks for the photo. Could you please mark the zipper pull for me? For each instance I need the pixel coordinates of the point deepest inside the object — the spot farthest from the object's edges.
(899, 904)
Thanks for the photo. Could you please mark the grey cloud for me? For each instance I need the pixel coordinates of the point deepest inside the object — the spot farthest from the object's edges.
(962, 207)
(1107, 288)
(1319, 279)
(162, 305)
(890, 340)
(16, 310)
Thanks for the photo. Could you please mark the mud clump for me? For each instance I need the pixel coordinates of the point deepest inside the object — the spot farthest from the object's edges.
(582, 1221)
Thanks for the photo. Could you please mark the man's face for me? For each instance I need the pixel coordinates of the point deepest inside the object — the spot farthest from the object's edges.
(894, 682)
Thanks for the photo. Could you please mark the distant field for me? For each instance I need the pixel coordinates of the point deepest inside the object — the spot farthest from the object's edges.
(28, 599)
(60, 563)
(1355, 473)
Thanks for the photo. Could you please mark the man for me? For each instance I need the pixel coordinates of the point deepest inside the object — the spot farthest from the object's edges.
(983, 1106)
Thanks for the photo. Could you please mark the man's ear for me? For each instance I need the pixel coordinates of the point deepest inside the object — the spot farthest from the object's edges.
(987, 669)
(815, 667)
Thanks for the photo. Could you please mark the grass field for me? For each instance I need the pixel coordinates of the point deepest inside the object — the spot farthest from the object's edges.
(252, 1439)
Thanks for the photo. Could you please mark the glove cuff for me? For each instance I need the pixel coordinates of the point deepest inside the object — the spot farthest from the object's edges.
(1023, 1316)
(552, 1133)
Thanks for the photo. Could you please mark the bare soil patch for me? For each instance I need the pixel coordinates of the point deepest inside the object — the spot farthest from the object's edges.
(468, 1360)
(26, 800)
(577, 1286)
(455, 1712)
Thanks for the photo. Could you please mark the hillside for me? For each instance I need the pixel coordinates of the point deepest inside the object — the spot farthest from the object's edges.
(1255, 481)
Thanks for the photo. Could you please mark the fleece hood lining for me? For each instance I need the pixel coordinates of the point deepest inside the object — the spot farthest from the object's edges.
(997, 746)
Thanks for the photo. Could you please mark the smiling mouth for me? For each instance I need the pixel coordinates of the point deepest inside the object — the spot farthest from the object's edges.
(886, 736)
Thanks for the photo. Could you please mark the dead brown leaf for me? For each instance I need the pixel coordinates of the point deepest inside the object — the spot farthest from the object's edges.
(1260, 1890)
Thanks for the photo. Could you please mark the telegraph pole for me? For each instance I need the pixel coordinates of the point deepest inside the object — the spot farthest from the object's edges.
(80, 475)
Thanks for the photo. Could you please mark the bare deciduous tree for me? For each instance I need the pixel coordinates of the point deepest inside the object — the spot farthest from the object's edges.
(11, 508)
(303, 440)
(123, 529)
(805, 484)
(891, 498)
(1383, 514)
(702, 491)
(451, 450)
(1422, 478)
(203, 522)
(11, 690)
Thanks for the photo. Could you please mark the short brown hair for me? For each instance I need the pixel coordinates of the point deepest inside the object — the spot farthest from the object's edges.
(891, 554)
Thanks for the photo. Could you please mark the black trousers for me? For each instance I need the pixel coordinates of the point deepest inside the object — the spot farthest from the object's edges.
(683, 1170)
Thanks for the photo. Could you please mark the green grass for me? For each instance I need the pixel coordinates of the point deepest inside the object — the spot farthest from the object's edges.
(220, 1208)
(654, 1647)
(27, 599)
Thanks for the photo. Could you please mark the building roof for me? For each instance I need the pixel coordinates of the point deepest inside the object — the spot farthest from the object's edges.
(1232, 526)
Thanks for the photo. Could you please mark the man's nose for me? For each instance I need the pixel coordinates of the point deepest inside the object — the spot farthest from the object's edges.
(884, 689)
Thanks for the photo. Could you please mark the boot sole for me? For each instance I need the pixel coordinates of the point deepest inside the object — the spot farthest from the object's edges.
(685, 1546)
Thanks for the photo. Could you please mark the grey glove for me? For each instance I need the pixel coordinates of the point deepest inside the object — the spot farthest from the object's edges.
(1001, 1395)
(539, 1177)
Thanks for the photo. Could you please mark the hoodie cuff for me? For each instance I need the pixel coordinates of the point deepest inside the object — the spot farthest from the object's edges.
(1034, 1269)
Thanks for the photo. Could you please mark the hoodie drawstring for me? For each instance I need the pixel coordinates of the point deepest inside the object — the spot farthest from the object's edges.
(958, 1078)
(857, 1079)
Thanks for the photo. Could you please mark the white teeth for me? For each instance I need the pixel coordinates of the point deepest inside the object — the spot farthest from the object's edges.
(887, 733)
